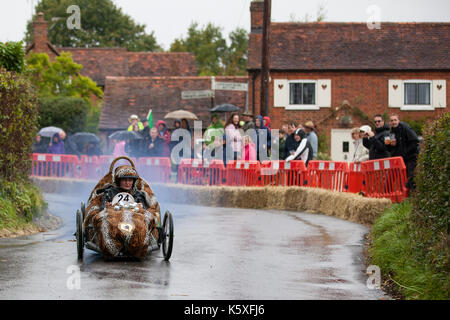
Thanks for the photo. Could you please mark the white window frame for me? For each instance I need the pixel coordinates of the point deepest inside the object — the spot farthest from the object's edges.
(418, 107)
(303, 106)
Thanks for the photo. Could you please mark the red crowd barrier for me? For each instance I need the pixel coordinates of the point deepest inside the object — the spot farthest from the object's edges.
(282, 173)
(90, 167)
(55, 165)
(243, 173)
(385, 178)
(355, 178)
(328, 175)
(375, 178)
(198, 172)
(154, 169)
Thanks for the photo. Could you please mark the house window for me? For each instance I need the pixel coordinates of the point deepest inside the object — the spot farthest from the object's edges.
(417, 93)
(302, 95)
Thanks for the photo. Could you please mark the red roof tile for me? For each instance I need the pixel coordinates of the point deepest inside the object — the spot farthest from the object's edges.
(353, 46)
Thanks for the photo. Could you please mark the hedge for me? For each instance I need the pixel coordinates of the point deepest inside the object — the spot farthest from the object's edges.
(18, 120)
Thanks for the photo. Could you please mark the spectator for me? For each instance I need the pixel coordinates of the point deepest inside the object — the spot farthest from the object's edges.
(267, 122)
(93, 149)
(165, 135)
(291, 144)
(360, 153)
(249, 149)
(375, 141)
(281, 144)
(119, 149)
(56, 146)
(304, 150)
(263, 138)
(134, 119)
(404, 143)
(146, 131)
(39, 146)
(153, 144)
(185, 125)
(215, 129)
(133, 146)
(312, 137)
(234, 136)
(248, 121)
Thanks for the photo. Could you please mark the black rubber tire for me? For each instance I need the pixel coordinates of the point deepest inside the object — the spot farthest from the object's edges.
(83, 210)
(79, 234)
(167, 243)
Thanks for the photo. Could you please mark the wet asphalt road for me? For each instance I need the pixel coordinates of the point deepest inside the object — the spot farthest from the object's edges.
(219, 253)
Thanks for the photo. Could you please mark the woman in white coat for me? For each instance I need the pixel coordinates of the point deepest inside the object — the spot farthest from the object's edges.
(361, 153)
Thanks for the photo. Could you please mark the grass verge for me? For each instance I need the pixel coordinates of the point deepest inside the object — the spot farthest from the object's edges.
(406, 271)
(20, 202)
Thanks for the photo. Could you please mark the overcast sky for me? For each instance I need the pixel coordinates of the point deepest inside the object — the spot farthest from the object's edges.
(169, 19)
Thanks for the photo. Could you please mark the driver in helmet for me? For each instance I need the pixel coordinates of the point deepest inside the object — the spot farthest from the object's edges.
(124, 181)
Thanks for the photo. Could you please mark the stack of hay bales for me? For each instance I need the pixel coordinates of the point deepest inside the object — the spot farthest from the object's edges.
(343, 205)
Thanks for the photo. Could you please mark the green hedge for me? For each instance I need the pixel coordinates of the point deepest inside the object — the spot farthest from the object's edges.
(67, 113)
(430, 214)
(12, 56)
(18, 122)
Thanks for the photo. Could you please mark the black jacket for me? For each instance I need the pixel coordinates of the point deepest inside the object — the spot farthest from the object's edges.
(156, 151)
(290, 145)
(407, 145)
(375, 144)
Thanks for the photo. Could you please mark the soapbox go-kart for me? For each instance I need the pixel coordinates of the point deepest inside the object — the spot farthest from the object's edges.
(123, 228)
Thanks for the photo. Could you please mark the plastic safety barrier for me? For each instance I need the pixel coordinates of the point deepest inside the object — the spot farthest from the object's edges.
(154, 169)
(90, 167)
(282, 173)
(105, 161)
(55, 165)
(355, 178)
(243, 173)
(328, 175)
(385, 178)
(198, 172)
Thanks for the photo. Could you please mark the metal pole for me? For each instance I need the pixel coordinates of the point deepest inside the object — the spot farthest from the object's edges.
(265, 59)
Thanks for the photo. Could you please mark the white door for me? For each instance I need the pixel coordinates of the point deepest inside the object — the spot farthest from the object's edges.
(342, 147)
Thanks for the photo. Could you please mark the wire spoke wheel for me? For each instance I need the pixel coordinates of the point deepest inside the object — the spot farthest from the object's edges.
(167, 243)
(79, 234)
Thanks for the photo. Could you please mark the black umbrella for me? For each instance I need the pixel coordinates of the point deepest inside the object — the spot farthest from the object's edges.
(226, 107)
(125, 135)
(82, 138)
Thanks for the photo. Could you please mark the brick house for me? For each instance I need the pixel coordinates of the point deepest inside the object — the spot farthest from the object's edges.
(341, 74)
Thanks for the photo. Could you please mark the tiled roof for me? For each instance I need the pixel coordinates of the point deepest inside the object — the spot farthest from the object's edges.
(98, 63)
(136, 95)
(353, 46)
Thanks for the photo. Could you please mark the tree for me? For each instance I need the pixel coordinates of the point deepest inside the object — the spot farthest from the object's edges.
(60, 77)
(102, 25)
(12, 56)
(212, 54)
(208, 46)
(67, 113)
(236, 54)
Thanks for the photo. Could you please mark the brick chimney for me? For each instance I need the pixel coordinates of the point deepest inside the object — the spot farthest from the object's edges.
(257, 14)
(40, 33)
